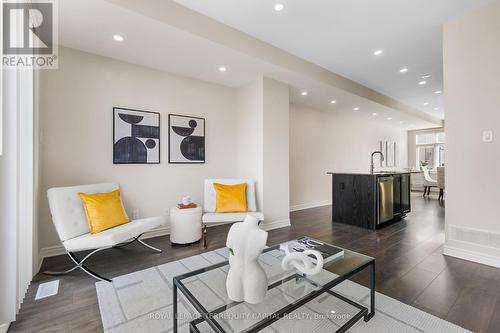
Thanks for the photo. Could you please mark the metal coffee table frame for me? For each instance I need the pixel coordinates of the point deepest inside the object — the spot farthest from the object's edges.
(209, 316)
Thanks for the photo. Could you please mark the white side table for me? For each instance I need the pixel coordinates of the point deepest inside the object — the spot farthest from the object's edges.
(185, 225)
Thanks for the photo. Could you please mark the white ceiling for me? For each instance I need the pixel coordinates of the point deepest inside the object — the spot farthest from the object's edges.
(89, 25)
(341, 36)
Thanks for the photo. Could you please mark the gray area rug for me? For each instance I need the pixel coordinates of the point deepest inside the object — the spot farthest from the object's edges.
(142, 302)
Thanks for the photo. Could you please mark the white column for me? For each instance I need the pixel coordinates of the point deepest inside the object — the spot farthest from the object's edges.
(263, 146)
(276, 154)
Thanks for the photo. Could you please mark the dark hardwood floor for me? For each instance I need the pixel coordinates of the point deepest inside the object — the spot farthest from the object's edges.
(410, 268)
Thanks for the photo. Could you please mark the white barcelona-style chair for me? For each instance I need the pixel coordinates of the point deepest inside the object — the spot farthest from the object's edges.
(428, 181)
(70, 221)
(209, 203)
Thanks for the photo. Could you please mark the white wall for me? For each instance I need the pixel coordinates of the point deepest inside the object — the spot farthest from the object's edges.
(263, 146)
(325, 141)
(472, 99)
(76, 104)
(250, 134)
(276, 106)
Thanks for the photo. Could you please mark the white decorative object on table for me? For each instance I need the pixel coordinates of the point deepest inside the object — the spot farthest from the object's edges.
(246, 280)
(186, 200)
(185, 225)
(302, 262)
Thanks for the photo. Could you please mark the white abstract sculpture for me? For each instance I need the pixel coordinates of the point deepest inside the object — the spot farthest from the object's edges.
(246, 280)
(302, 262)
(186, 200)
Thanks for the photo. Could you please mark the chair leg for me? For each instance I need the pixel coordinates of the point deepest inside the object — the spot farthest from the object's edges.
(204, 236)
(148, 246)
(425, 190)
(136, 239)
(79, 264)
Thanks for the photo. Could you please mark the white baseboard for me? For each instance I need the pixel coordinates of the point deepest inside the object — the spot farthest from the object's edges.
(474, 256)
(276, 224)
(4, 328)
(57, 250)
(295, 208)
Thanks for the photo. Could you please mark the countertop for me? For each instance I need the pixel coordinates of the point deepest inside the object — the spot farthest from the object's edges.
(383, 173)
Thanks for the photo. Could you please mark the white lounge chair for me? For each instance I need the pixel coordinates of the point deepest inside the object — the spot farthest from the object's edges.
(209, 204)
(70, 221)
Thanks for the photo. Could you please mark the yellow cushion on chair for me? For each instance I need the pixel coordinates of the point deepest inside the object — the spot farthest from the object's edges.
(231, 198)
(103, 210)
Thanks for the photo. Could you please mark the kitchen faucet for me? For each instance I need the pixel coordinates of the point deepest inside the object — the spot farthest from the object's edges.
(372, 166)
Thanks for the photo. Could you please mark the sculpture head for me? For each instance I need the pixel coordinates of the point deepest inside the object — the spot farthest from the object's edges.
(250, 219)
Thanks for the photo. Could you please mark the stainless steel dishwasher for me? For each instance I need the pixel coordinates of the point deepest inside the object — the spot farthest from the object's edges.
(385, 199)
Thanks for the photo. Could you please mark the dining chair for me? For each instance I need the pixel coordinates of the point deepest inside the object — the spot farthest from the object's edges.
(428, 181)
(440, 181)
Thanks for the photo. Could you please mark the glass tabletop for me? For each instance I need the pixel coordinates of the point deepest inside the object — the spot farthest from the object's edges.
(285, 288)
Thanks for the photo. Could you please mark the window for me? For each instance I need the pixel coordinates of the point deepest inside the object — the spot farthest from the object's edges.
(426, 138)
(425, 155)
(430, 149)
(440, 137)
(440, 155)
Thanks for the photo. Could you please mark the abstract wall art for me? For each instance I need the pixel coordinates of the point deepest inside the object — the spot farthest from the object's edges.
(136, 136)
(389, 149)
(186, 137)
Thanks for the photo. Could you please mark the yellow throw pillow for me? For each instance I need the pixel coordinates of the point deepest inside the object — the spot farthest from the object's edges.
(103, 210)
(231, 198)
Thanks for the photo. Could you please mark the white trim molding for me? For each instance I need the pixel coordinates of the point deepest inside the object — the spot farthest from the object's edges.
(4, 328)
(474, 256)
(57, 250)
(475, 245)
(276, 224)
(295, 208)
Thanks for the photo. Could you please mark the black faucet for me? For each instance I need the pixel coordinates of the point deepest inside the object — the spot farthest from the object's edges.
(372, 166)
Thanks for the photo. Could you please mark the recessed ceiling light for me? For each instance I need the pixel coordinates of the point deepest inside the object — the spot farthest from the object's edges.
(403, 70)
(402, 122)
(118, 38)
(426, 76)
(422, 83)
(304, 93)
(279, 7)
(426, 103)
(222, 69)
(333, 102)
(356, 109)
(378, 52)
(436, 109)
(389, 118)
(374, 114)
(437, 92)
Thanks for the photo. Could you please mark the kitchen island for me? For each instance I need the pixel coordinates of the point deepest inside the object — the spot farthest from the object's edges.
(370, 200)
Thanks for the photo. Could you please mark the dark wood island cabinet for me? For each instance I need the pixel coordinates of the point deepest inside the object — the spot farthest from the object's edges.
(370, 200)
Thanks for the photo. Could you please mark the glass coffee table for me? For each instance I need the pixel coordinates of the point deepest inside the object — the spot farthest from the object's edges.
(287, 292)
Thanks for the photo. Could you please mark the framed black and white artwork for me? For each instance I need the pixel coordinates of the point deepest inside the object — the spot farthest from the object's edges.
(186, 139)
(136, 136)
(389, 149)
